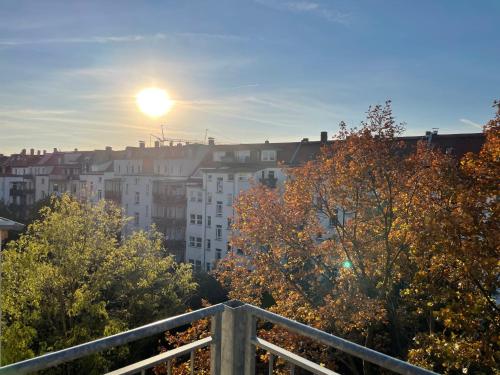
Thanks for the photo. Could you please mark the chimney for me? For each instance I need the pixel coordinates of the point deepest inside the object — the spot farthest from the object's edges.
(55, 150)
(109, 148)
(324, 137)
(76, 149)
(305, 140)
(44, 152)
(157, 144)
(211, 141)
(23, 151)
(435, 131)
(32, 151)
(38, 152)
(266, 142)
(142, 144)
(171, 143)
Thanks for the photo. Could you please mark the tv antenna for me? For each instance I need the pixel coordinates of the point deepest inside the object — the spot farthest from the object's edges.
(171, 141)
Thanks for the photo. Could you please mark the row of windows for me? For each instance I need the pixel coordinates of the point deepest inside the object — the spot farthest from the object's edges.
(198, 220)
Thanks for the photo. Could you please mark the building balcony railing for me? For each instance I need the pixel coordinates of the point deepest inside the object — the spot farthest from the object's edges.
(163, 221)
(269, 182)
(114, 196)
(21, 192)
(233, 342)
(169, 199)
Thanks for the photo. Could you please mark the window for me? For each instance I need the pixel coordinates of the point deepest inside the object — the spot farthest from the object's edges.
(192, 219)
(209, 244)
(198, 242)
(99, 194)
(192, 241)
(100, 179)
(230, 177)
(331, 221)
(270, 175)
(268, 155)
(218, 254)
(219, 184)
(228, 223)
(209, 198)
(218, 232)
(229, 199)
(137, 180)
(198, 265)
(147, 189)
(208, 266)
(218, 209)
(136, 219)
(209, 178)
(228, 247)
(209, 221)
(147, 211)
(191, 261)
(43, 181)
(242, 177)
(199, 219)
(192, 197)
(200, 196)
(126, 188)
(137, 197)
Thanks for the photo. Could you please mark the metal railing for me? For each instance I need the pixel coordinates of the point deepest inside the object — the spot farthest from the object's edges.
(233, 343)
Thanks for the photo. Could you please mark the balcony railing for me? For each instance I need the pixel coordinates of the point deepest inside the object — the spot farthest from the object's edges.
(169, 199)
(270, 182)
(115, 196)
(233, 342)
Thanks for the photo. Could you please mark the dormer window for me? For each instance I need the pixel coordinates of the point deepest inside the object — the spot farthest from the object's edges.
(268, 155)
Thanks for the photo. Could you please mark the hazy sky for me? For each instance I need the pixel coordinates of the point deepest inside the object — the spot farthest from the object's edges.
(246, 70)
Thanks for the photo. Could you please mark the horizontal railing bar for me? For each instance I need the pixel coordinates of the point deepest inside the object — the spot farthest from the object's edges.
(341, 344)
(162, 357)
(292, 357)
(66, 355)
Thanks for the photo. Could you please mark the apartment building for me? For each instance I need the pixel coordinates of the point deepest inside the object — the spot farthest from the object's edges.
(230, 170)
(186, 190)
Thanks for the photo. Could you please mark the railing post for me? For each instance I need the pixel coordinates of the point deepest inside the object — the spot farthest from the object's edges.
(234, 340)
(215, 346)
(250, 333)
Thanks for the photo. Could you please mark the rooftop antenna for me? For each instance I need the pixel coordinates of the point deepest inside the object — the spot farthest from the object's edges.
(162, 139)
(206, 133)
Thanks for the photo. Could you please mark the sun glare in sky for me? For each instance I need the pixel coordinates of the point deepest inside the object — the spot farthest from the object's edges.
(153, 102)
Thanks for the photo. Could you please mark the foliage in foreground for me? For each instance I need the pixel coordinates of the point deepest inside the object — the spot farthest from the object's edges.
(69, 279)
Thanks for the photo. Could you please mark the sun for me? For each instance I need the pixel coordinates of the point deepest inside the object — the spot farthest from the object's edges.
(153, 102)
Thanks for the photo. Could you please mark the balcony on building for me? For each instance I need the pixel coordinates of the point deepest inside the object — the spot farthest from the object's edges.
(168, 194)
(113, 190)
(270, 182)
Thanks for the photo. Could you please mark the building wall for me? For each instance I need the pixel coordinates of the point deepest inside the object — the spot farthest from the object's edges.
(218, 192)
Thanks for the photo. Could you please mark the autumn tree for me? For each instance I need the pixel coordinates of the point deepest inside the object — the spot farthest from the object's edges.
(69, 279)
(456, 254)
(340, 246)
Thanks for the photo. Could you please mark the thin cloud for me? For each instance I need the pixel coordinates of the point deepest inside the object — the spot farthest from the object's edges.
(79, 40)
(124, 39)
(310, 7)
(471, 123)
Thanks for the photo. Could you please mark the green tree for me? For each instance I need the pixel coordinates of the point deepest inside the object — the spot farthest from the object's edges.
(69, 279)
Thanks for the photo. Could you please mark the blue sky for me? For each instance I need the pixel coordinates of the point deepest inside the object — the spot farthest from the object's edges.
(246, 70)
